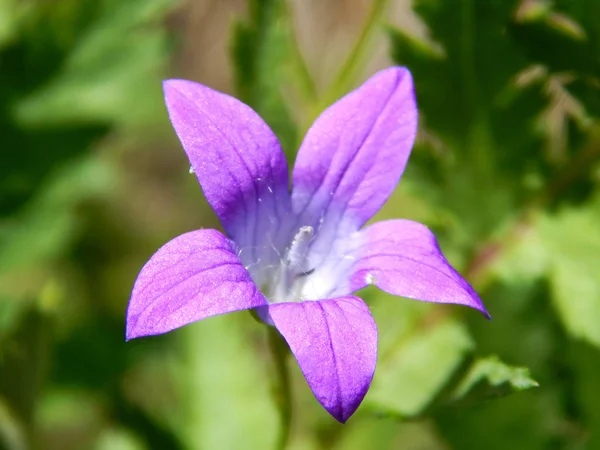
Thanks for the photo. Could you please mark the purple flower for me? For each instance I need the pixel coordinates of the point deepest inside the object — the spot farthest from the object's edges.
(296, 257)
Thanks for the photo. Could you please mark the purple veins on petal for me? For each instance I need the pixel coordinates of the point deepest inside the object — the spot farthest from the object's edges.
(296, 258)
(194, 276)
(353, 157)
(403, 258)
(335, 344)
(236, 157)
(354, 154)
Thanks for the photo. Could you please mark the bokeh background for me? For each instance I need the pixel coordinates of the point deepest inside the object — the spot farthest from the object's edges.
(506, 171)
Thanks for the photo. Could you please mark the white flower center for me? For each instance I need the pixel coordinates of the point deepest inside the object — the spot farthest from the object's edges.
(310, 264)
(288, 281)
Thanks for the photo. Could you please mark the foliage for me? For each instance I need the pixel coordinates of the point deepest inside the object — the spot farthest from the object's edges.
(493, 378)
(505, 171)
(509, 152)
(261, 49)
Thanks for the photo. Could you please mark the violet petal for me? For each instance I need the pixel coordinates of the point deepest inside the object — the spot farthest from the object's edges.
(403, 258)
(354, 154)
(236, 157)
(194, 276)
(335, 343)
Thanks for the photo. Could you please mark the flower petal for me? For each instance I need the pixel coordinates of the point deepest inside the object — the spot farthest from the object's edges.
(194, 276)
(355, 152)
(402, 257)
(236, 157)
(335, 343)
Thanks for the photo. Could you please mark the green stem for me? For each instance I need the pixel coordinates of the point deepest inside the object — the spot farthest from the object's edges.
(282, 389)
(305, 81)
(479, 142)
(343, 80)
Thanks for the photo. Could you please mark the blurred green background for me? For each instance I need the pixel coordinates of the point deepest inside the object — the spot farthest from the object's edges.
(506, 171)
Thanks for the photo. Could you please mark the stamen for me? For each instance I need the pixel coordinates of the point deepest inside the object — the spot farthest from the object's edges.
(296, 254)
(287, 282)
(305, 274)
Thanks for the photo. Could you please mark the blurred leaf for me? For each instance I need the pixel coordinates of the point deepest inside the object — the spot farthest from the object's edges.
(564, 247)
(70, 73)
(519, 422)
(23, 365)
(12, 434)
(572, 241)
(71, 70)
(532, 10)
(43, 230)
(487, 102)
(523, 259)
(419, 352)
(71, 417)
(490, 377)
(118, 439)
(477, 124)
(389, 434)
(11, 312)
(460, 85)
(11, 15)
(261, 53)
(523, 330)
(566, 26)
(60, 408)
(567, 39)
(112, 74)
(585, 362)
(94, 359)
(225, 387)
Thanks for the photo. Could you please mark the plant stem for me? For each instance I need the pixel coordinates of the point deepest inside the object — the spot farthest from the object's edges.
(304, 78)
(281, 387)
(343, 80)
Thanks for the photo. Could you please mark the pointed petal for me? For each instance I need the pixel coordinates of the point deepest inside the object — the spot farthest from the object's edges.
(194, 276)
(355, 152)
(403, 258)
(236, 157)
(335, 343)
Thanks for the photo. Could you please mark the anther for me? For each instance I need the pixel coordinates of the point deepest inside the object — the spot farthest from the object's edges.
(296, 254)
(304, 274)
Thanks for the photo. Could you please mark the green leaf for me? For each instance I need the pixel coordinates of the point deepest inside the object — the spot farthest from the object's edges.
(48, 224)
(567, 39)
(225, 389)
(564, 247)
(386, 434)
(12, 433)
(419, 350)
(11, 312)
(111, 75)
(585, 362)
(523, 330)
(478, 124)
(24, 364)
(70, 70)
(490, 377)
(12, 13)
(262, 52)
(462, 75)
(572, 240)
(487, 103)
(118, 439)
